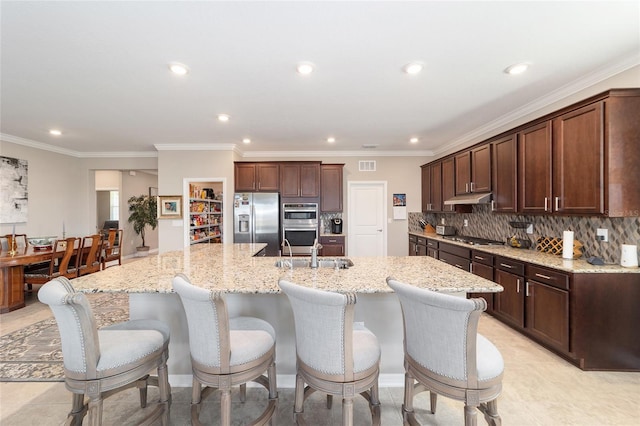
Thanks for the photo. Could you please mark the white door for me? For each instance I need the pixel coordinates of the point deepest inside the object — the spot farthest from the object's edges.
(367, 234)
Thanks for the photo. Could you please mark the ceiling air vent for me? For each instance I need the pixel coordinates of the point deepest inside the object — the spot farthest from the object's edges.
(367, 165)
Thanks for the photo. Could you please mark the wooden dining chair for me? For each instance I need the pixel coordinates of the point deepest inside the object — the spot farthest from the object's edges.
(61, 264)
(89, 255)
(112, 248)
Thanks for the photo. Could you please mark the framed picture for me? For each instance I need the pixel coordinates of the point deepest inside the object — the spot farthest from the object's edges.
(170, 207)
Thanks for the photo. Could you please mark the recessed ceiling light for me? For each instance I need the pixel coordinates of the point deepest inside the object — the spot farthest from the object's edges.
(516, 69)
(413, 68)
(178, 68)
(413, 140)
(223, 117)
(55, 132)
(331, 140)
(305, 68)
(246, 140)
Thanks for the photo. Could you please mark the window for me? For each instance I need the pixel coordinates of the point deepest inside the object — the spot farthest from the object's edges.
(114, 205)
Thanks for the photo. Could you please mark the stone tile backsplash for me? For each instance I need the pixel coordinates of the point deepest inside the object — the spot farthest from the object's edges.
(485, 224)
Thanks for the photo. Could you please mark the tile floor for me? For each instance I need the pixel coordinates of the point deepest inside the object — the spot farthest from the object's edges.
(539, 388)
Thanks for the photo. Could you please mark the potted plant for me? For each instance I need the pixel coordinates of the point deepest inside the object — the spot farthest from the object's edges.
(143, 212)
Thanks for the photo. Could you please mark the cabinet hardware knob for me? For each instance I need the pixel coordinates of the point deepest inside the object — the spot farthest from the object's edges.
(518, 286)
(546, 204)
(506, 266)
(493, 205)
(479, 257)
(557, 203)
(526, 291)
(466, 187)
(472, 187)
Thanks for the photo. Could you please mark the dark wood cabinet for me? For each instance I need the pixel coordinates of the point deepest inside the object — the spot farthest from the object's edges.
(300, 180)
(256, 177)
(448, 183)
(331, 187)
(332, 245)
(455, 256)
(433, 248)
(505, 167)
(417, 246)
(534, 144)
(509, 304)
(578, 161)
(482, 265)
(473, 170)
(432, 188)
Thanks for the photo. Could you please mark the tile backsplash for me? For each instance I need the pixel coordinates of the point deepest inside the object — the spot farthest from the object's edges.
(485, 224)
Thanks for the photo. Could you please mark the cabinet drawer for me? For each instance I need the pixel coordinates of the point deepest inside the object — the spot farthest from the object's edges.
(457, 261)
(548, 276)
(413, 238)
(433, 244)
(482, 257)
(332, 240)
(509, 265)
(422, 241)
(481, 270)
(457, 250)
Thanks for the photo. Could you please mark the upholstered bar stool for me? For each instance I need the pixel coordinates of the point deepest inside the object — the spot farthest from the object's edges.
(226, 352)
(334, 356)
(445, 354)
(100, 363)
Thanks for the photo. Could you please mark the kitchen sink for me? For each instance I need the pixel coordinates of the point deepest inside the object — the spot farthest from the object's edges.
(325, 262)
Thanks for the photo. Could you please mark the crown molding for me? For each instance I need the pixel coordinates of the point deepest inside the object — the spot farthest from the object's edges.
(51, 148)
(362, 153)
(555, 96)
(196, 147)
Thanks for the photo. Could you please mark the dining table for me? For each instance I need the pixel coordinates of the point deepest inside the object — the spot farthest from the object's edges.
(12, 274)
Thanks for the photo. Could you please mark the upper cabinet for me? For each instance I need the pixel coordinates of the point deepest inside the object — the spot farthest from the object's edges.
(534, 170)
(257, 177)
(505, 163)
(432, 187)
(300, 180)
(581, 160)
(331, 187)
(473, 170)
(448, 183)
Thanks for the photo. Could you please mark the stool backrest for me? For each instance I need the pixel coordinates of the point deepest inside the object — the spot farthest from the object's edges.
(324, 328)
(77, 326)
(440, 330)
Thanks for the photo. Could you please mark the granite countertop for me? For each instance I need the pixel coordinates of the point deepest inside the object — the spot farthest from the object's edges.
(232, 268)
(576, 266)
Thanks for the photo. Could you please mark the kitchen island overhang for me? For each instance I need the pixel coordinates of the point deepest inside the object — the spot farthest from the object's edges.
(251, 287)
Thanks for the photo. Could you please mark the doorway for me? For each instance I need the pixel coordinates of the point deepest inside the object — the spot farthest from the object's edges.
(367, 213)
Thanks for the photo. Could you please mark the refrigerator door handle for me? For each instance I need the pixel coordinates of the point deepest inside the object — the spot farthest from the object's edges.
(253, 223)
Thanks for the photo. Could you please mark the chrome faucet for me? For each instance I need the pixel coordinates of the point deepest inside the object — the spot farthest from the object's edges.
(314, 253)
(290, 253)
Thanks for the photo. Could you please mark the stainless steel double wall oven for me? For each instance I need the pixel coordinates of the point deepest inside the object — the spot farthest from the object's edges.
(299, 227)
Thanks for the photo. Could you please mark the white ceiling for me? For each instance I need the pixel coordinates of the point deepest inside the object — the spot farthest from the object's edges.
(98, 70)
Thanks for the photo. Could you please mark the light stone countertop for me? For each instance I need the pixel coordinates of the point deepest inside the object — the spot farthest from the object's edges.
(233, 269)
(576, 266)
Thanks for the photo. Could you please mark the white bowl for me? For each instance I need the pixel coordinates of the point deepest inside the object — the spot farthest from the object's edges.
(41, 242)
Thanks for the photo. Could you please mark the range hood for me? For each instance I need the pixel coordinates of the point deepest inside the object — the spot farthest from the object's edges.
(483, 198)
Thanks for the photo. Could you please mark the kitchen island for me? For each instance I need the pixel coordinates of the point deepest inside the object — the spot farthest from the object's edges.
(251, 284)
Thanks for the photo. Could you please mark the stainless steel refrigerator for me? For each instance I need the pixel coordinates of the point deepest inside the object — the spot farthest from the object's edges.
(256, 219)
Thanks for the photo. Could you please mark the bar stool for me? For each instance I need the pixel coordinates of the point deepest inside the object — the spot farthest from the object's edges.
(334, 356)
(445, 354)
(100, 363)
(226, 352)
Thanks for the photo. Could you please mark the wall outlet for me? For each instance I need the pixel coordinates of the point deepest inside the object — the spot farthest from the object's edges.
(442, 221)
(530, 228)
(466, 222)
(602, 234)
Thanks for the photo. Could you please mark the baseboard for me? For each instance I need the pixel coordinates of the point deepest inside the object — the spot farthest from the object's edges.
(288, 381)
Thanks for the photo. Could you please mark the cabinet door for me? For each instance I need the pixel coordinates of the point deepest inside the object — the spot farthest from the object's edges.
(436, 187)
(505, 178)
(431, 252)
(578, 161)
(481, 169)
(332, 246)
(463, 173)
(425, 182)
(331, 187)
(548, 314)
(509, 304)
(422, 250)
(534, 145)
(310, 180)
(268, 177)
(486, 272)
(245, 177)
(448, 183)
(289, 180)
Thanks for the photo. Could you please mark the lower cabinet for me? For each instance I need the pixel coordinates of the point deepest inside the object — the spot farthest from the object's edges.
(332, 245)
(455, 256)
(547, 306)
(482, 265)
(509, 303)
(417, 246)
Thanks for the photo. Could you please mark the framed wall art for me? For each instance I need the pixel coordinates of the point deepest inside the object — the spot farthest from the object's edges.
(170, 207)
